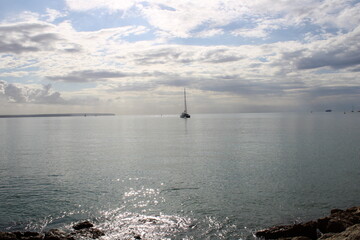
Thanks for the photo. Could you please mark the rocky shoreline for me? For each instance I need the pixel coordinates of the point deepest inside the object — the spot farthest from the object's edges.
(339, 225)
(82, 230)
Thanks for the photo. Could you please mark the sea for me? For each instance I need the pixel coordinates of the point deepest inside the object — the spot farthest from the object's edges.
(213, 176)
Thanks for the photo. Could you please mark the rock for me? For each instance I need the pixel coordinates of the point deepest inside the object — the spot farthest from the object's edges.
(327, 235)
(83, 230)
(353, 210)
(329, 225)
(296, 238)
(96, 233)
(89, 233)
(7, 236)
(83, 225)
(289, 231)
(351, 233)
(137, 237)
(21, 236)
(56, 234)
(334, 211)
(339, 220)
(29, 235)
(86, 230)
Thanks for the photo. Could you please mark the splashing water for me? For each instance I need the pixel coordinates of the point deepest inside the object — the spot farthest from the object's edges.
(120, 225)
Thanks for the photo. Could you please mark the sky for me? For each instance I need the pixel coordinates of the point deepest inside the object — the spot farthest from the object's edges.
(137, 56)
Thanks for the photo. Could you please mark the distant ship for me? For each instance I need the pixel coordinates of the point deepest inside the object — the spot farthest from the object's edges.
(184, 114)
(328, 110)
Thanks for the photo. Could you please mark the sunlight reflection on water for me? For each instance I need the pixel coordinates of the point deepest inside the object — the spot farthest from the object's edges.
(120, 225)
(126, 225)
(213, 177)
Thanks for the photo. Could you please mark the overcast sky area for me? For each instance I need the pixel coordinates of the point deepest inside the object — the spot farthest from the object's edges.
(136, 57)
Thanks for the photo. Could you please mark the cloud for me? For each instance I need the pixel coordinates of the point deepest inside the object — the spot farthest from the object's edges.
(52, 15)
(40, 94)
(342, 14)
(336, 52)
(186, 55)
(84, 5)
(88, 76)
(19, 93)
(235, 85)
(85, 100)
(250, 32)
(136, 86)
(251, 88)
(125, 61)
(23, 37)
(188, 18)
(210, 33)
(18, 38)
(334, 91)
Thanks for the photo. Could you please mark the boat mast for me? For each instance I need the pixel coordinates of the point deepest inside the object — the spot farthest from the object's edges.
(185, 101)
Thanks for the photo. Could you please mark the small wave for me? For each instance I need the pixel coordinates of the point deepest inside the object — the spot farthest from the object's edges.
(179, 189)
(117, 225)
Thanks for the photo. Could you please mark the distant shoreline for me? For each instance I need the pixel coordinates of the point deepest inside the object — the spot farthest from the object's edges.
(57, 115)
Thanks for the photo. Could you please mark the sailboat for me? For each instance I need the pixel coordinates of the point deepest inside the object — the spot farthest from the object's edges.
(184, 114)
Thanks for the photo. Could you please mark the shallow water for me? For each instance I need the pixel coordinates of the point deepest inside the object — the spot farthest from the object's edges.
(208, 177)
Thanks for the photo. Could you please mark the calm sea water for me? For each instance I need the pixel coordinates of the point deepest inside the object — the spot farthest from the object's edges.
(208, 177)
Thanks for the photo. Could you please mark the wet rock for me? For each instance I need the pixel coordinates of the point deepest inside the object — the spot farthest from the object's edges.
(7, 236)
(56, 234)
(338, 224)
(89, 233)
(96, 233)
(336, 210)
(137, 237)
(82, 230)
(28, 235)
(21, 236)
(339, 220)
(290, 231)
(329, 225)
(351, 233)
(83, 225)
(86, 230)
(296, 238)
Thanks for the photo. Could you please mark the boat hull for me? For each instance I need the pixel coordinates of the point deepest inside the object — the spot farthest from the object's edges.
(185, 115)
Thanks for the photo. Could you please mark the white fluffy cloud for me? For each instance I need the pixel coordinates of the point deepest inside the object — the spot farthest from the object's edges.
(116, 64)
(185, 18)
(30, 93)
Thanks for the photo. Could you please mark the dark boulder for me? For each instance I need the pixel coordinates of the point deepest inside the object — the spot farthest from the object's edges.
(351, 233)
(339, 220)
(88, 233)
(56, 234)
(296, 238)
(21, 236)
(29, 235)
(83, 225)
(137, 236)
(288, 231)
(7, 236)
(83, 230)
